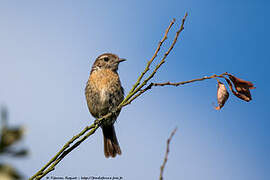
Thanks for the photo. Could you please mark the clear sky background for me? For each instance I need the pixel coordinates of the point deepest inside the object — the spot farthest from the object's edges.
(47, 49)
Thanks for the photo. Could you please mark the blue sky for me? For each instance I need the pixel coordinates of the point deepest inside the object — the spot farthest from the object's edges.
(47, 50)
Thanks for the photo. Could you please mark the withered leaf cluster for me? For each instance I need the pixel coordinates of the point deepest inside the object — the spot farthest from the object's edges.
(241, 86)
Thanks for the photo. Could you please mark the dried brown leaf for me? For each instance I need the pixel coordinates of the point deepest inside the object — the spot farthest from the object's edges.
(222, 95)
(242, 87)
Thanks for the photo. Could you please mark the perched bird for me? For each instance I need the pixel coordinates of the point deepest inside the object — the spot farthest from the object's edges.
(103, 94)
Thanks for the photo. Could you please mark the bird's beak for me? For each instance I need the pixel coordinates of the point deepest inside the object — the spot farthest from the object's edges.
(121, 60)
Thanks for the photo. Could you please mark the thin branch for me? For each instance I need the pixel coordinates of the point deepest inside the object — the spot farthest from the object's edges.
(132, 93)
(174, 84)
(153, 57)
(166, 154)
(87, 128)
(66, 152)
(190, 81)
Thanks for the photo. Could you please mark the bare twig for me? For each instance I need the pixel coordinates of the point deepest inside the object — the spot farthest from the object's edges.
(66, 152)
(50, 166)
(41, 171)
(166, 154)
(174, 84)
(190, 81)
(153, 57)
(132, 93)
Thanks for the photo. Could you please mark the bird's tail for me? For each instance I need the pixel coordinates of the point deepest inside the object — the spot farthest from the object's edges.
(111, 145)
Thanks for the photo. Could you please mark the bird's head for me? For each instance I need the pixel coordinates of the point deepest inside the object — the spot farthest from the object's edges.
(107, 61)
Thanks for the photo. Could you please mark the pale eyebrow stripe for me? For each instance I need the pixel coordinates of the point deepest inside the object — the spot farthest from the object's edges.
(101, 57)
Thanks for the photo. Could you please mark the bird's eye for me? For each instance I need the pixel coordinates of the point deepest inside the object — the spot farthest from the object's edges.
(106, 59)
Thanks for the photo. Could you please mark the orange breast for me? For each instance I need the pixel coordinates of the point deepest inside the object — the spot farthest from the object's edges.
(103, 79)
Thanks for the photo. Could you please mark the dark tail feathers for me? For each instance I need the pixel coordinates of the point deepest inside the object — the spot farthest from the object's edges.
(111, 146)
